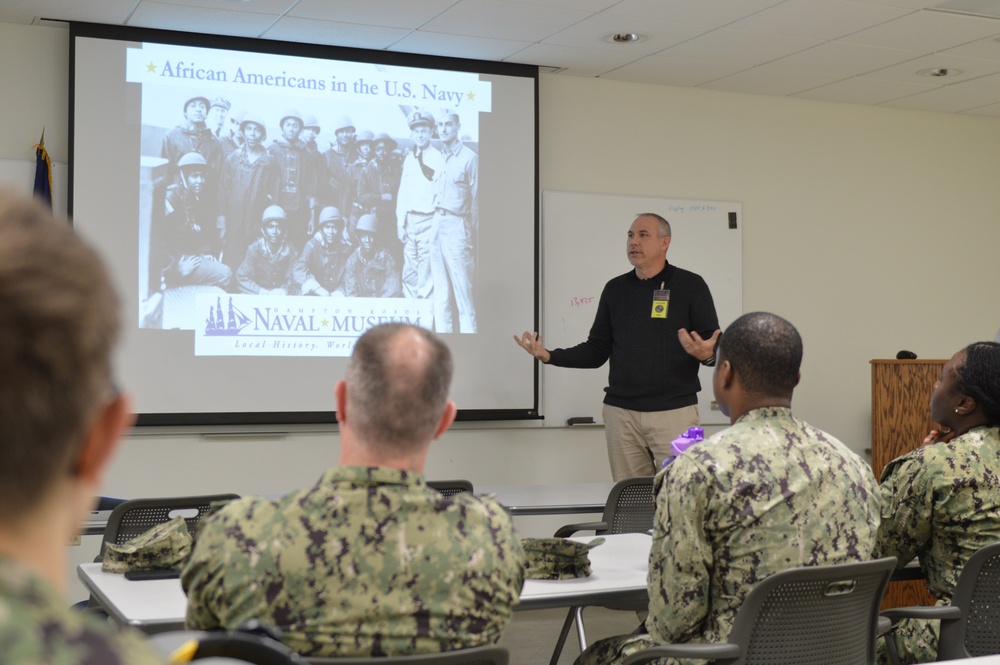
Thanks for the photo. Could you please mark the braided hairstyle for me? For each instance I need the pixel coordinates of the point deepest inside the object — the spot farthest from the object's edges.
(979, 378)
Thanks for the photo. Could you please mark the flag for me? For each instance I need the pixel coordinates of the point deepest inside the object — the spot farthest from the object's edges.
(43, 172)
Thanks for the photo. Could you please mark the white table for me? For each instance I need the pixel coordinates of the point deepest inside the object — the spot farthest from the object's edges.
(618, 568)
(568, 499)
(153, 606)
(619, 573)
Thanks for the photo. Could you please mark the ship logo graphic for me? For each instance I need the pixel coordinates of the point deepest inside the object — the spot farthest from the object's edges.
(235, 322)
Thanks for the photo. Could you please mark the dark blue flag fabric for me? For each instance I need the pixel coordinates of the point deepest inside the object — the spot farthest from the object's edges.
(43, 172)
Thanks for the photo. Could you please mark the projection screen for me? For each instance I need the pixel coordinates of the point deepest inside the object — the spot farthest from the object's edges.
(262, 204)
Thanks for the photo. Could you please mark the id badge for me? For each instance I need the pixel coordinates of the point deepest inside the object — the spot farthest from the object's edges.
(661, 303)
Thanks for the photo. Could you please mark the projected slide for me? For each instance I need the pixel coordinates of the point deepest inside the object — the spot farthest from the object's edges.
(355, 184)
(262, 204)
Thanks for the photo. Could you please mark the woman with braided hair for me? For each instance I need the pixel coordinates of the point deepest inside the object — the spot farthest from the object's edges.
(941, 502)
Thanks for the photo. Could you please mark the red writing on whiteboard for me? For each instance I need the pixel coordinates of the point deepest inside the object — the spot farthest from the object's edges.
(576, 302)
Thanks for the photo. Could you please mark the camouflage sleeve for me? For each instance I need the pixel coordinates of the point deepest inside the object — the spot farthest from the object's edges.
(202, 577)
(509, 551)
(680, 558)
(906, 510)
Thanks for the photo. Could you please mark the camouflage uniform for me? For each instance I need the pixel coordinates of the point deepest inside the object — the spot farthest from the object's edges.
(367, 562)
(940, 503)
(767, 494)
(36, 628)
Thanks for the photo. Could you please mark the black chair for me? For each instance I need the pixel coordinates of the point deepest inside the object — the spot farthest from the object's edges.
(630, 508)
(485, 655)
(821, 615)
(108, 503)
(970, 626)
(451, 487)
(136, 516)
(187, 645)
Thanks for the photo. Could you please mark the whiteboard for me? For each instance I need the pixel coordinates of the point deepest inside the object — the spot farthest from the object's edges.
(583, 246)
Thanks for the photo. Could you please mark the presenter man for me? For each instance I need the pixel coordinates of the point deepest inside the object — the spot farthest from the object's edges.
(655, 324)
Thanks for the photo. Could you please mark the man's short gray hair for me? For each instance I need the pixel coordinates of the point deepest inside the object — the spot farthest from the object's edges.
(398, 380)
(664, 224)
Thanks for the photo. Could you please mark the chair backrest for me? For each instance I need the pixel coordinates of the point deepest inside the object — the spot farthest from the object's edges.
(451, 487)
(136, 516)
(108, 502)
(821, 615)
(229, 645)
(485, 655)
(977, 594)
(630, 507)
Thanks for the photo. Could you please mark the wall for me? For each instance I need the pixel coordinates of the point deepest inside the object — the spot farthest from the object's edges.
(871, 229)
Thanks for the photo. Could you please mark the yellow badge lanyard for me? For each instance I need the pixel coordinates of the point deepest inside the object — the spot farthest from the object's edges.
(661, 302)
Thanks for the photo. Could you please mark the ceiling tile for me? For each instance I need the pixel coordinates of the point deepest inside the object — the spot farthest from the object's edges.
(197, 19)
(747, 48)
(907, 71)
(845, 59)
(770, 80)
(991, 110)
(106, 11)
(456, 46)
(990, 8)
(503, 20)
(986, 49)
(574, 61)
(989, 83)
(315, 31)
(581, 5)
(272, 7)
(389, 13)
(819, 19)
(673, 71)
(926, 32)
(710, 13)
(658, 35)
(863, 91)
(904, 4)
(946, 99)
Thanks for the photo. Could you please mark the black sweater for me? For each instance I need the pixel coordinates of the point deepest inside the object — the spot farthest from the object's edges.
(650, 370)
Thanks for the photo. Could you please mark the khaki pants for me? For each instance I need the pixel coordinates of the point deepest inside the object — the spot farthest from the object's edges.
(638, 441)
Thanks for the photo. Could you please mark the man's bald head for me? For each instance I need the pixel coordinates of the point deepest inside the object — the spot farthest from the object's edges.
(397, 387)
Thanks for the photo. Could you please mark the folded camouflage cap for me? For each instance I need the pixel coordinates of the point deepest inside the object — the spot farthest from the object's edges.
(166, 545)
(557, 558)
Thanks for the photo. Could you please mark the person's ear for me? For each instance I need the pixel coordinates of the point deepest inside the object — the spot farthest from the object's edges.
(340, 396)
(666, 243)
(726, 374)
(101, 441)
(965, 406)
(798, 377)
(447, 418)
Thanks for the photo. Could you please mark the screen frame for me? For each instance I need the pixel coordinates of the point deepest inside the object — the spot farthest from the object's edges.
(301, 49)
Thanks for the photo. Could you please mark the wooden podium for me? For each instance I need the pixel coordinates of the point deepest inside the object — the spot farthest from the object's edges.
(901, 391)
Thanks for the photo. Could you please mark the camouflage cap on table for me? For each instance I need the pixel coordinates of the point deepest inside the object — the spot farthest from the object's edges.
(557, 558)
(166, 545)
